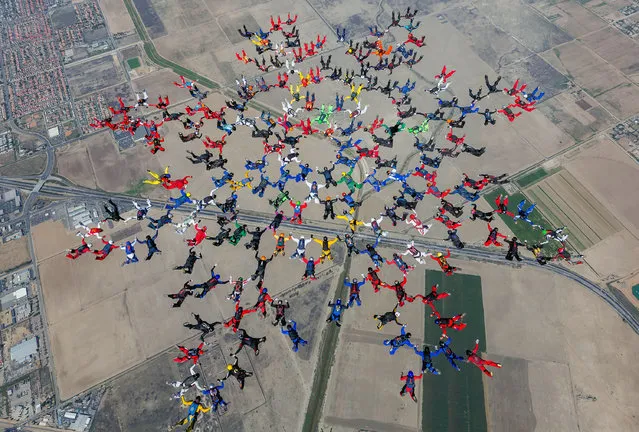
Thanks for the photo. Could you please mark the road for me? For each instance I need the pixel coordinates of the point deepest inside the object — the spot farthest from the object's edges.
(393, 239)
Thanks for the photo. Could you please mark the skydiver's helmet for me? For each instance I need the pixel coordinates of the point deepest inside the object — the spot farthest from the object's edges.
(407, 335)
(280, 302)
(469, 353)
(328, 198)
(410, 374)
(265, 177)
(229, 367)
(397, 314)
(442, 343)
(264, 290)
(262, 257)
(338, 302)
(188, 194)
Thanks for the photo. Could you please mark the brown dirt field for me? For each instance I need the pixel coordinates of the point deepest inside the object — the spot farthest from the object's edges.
(115, 171)
(113, 312)
(77, 366)
(622, 101)
(571, 17)
(606, 259)
(219, 7)
(71, 163)
(610, 175)
(14, 253)
(616, 48)
(194, 52)
(588, 71)
(31, 166)
(51, 238)
(555, 321)
(116, 15)
(183, 15)
(160, 82)
(577, 122)
(566, 202)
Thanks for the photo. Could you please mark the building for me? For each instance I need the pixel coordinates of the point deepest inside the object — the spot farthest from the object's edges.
(25, 350)
(79, 215)
(9, 300)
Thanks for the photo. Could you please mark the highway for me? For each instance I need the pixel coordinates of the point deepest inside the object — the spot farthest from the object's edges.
(393, 239)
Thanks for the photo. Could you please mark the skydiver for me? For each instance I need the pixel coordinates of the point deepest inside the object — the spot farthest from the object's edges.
(291, 331)
(432, 296)
(444, 347)
(478, 214)
(446, 323)
(262, 262)
(537, 251)
(195, 407)
(211, 283)
(187, 267)
(563, 254)
(492, 88)
(239, 373)
(201, 325)
(513, 251)
(80, 250)
(112, 213)
(409, 387)
(493, 236)
(236, 319)
(105, 251)
(151, 245)
(185, 384)
(427, 359)
(216, 398)
(472, 150)
(524, 214)
(181, 295)
(415, 253)
(495, 179)
(398, 341)
(249, 341)
(280, 311)
(474, 358)
(388, 317)
(336, 312)
(453, 237)
(190, 354)
(448, 207)
(502, 205)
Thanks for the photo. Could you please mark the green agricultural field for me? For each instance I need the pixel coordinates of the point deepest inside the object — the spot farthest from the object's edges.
(133, 63)
(454, 401)
(523, 230)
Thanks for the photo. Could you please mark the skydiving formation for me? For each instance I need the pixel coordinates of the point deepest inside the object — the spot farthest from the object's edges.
(354, 142)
